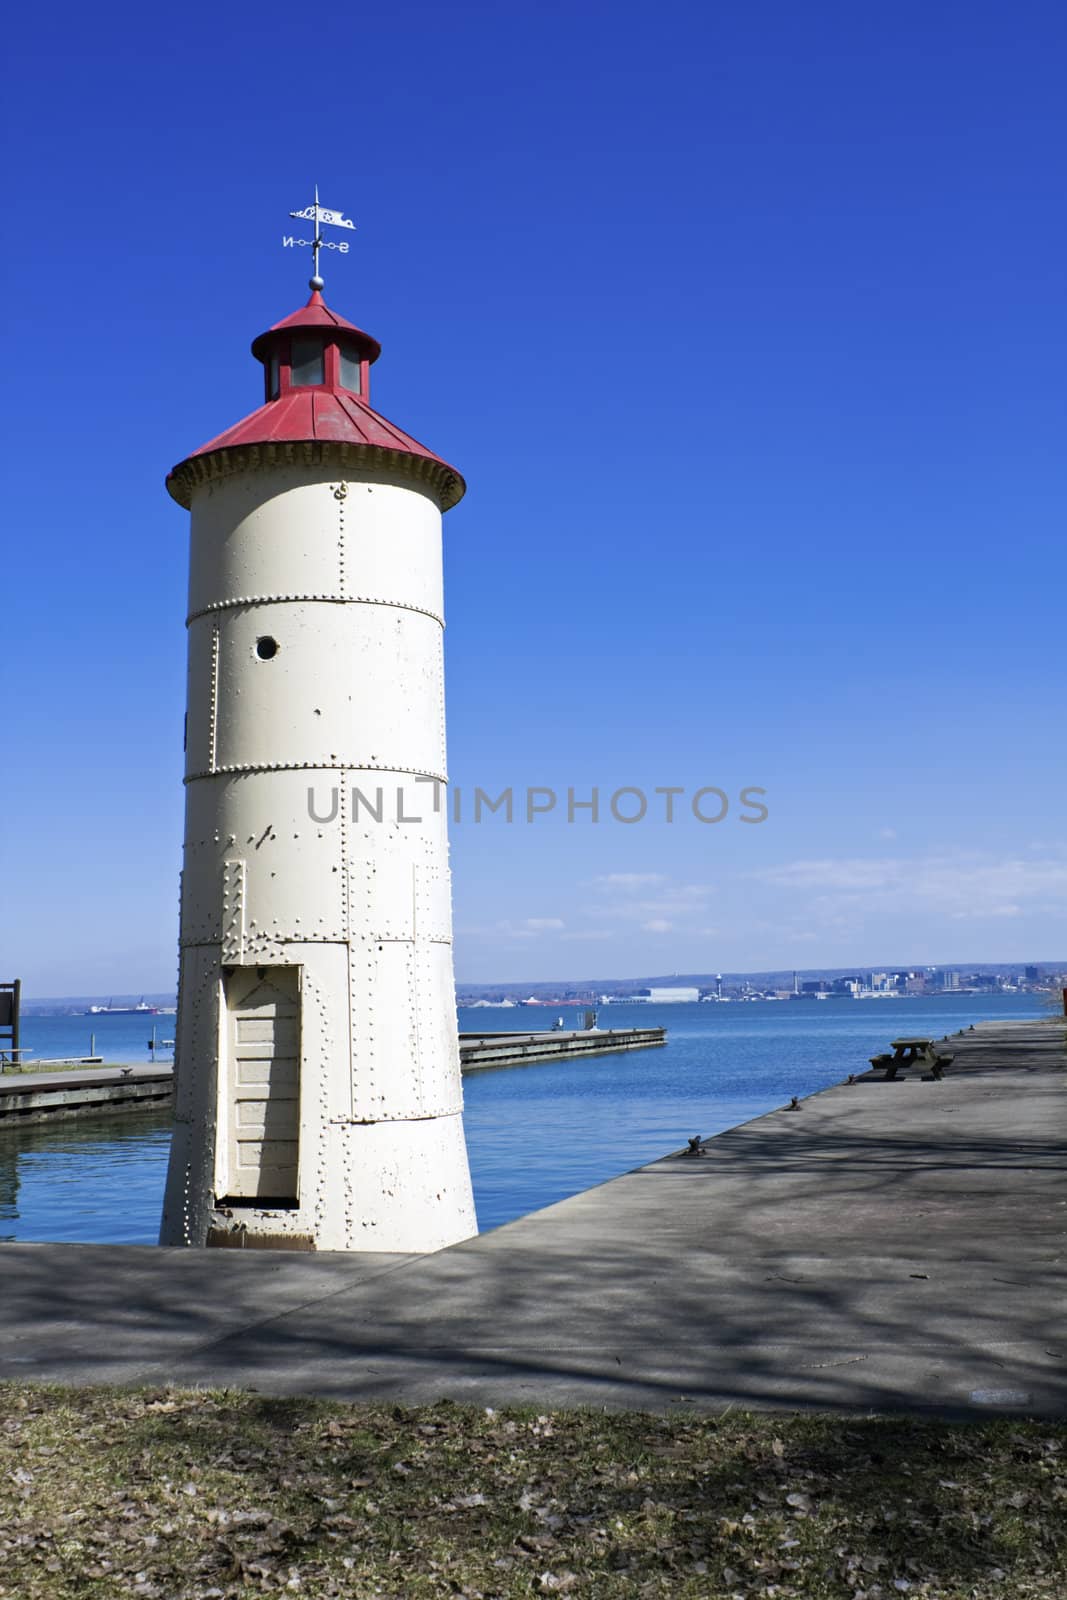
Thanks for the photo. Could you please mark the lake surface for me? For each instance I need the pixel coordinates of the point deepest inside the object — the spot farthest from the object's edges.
(535, 1134)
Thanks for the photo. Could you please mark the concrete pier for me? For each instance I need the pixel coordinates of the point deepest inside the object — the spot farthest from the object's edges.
(885, 1246)
(31, 1097)
(479, 1050)
(27, 1097)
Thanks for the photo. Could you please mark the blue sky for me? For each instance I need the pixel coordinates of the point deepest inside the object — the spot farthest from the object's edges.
(746, 326)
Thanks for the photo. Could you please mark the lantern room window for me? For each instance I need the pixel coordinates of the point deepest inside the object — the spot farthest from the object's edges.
(272, 379)
(306, 361)
(350, 369)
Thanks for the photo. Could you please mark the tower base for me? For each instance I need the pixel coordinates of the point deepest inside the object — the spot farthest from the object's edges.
(386, 1187)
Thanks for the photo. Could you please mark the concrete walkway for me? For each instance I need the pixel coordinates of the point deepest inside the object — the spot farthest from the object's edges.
(887, 1245)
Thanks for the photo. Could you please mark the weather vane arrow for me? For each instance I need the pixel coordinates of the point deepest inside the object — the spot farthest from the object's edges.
(320, 217)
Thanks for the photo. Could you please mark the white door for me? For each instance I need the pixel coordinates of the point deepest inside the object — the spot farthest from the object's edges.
(263, 1083)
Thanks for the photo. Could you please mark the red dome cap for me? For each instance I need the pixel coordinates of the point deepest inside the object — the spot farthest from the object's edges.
(326, 420)
(315, 315)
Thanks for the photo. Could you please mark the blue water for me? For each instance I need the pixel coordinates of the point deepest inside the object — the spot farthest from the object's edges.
(117, 1039)
(535, 1134)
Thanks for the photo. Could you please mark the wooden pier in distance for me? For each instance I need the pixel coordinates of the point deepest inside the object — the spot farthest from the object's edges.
(35, 1097)
(480, 1050)
(32, 1097)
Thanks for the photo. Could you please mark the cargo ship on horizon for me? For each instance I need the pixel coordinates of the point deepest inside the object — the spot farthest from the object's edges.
(139, 1010)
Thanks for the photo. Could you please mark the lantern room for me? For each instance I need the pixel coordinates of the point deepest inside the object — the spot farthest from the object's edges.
(315, 349)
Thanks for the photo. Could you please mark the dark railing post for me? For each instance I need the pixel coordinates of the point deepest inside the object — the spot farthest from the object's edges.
(10, 1006)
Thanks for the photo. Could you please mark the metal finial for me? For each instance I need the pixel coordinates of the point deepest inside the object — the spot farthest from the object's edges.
(319, 216)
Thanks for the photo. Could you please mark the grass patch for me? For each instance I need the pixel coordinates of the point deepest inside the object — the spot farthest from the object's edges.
(179, 1495)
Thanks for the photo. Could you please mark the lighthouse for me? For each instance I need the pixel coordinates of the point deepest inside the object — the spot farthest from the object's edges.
(318, 1101)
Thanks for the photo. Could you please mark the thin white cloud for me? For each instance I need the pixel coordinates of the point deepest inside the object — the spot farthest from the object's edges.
(998, 911)
(826, 874)
(675, 900)
(657, 925)
(686, 896)
(527, 928)
(627, 880)
(958, 886)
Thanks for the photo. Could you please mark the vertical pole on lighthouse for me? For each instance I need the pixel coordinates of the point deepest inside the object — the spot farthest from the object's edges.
(317, 1082)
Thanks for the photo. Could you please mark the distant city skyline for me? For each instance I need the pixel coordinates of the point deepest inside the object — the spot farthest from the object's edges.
(1033, 974)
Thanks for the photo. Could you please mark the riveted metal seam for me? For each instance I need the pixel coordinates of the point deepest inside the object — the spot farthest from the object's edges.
(233, 912)
(314, 766)
(340, 494)
(213, 709)
(417, 988)
(444, 482)
(346, 914)
(258, 943)
(403, 1116)
(245, 600)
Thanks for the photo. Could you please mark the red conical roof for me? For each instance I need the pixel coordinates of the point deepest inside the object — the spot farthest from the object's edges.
(316, 314)
(331, 423)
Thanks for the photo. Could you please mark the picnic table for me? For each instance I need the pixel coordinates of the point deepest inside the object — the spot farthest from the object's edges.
(911, 1053)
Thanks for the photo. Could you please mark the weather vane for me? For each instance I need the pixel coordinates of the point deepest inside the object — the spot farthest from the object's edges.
(319, 217)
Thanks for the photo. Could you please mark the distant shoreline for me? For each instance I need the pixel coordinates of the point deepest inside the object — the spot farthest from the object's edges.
(590, 991)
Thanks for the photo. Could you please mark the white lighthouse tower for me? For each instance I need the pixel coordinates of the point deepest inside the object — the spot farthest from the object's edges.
(318, 1096)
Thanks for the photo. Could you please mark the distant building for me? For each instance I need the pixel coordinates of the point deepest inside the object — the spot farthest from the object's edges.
(1032, 974)
(667, 997)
